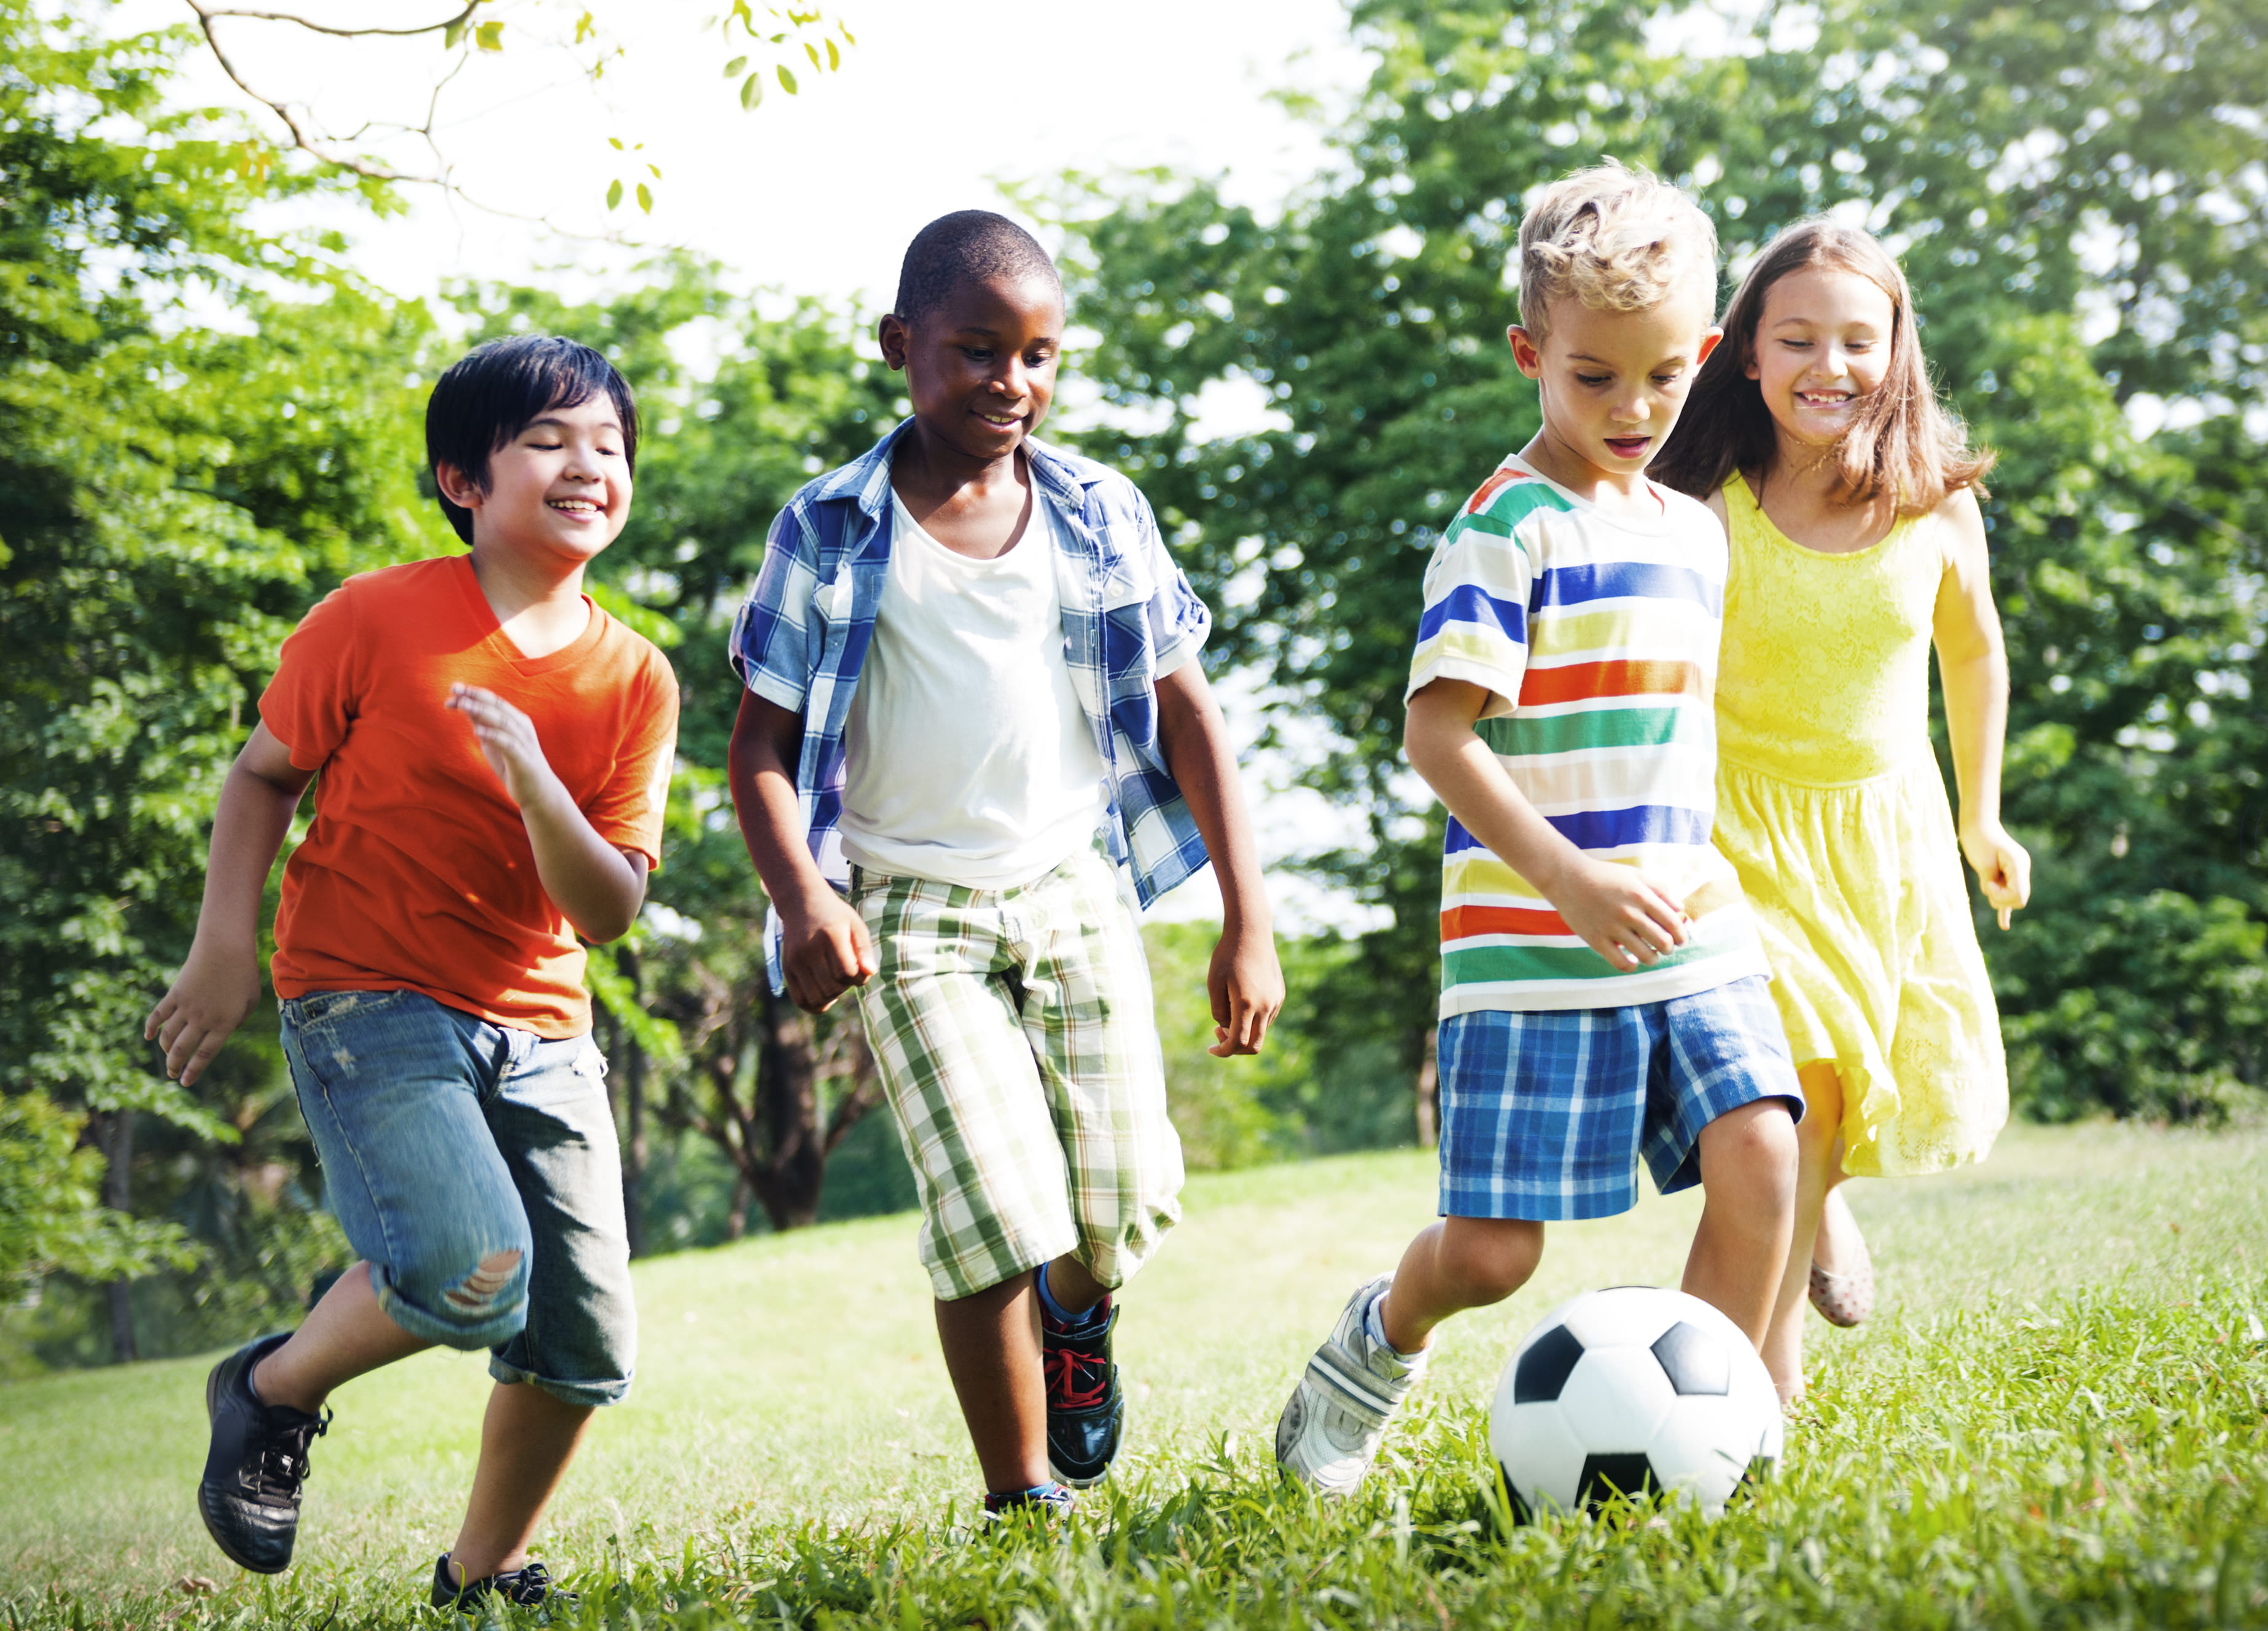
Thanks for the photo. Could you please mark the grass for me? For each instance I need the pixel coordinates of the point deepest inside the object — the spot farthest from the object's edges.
(2056, 1419)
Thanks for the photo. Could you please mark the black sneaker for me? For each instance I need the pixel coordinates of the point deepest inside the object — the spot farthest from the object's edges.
(529, 1587)
(1087, 1408)
(250, 1497)
(1047, 1500)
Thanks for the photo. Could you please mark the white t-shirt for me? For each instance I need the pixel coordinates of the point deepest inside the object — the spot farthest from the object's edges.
(970, 759)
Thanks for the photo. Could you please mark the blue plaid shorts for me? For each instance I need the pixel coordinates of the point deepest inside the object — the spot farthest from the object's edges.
(1543, 1116)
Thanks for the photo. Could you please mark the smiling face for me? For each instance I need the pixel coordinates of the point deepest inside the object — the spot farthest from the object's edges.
(1823, 346)
(980, 364)
(559, 489)
(1613, 383)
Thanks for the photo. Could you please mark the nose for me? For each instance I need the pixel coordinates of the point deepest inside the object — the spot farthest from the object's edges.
(1630, 409)
(1012, 379)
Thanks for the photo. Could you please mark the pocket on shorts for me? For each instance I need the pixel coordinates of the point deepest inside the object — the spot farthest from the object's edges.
(319, 1008)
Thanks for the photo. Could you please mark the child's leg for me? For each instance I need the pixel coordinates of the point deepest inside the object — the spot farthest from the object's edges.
(527, 1437)
(344, 1336)
(1722, 1104)
(555, 1130)
(1817, 1140)
(1457, 1263)
(943, 1016)
(991, 1343)
(1748, 1178)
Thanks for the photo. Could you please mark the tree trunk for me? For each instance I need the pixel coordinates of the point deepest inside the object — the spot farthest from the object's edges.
(787, 1104)
(1429, 1093)
(736, 1220)
(118, 1195)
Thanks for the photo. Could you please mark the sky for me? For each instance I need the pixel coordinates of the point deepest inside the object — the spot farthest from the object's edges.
(938, 106)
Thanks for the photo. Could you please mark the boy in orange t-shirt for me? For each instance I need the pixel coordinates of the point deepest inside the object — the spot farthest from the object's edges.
(494, 752)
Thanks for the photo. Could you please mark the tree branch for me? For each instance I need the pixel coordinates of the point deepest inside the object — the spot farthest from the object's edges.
(207, 13)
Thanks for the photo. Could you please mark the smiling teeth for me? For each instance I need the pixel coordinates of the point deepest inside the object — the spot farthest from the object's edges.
(572, 504)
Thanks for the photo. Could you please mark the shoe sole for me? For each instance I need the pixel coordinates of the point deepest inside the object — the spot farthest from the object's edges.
(1055, 1472)
(213, 1409)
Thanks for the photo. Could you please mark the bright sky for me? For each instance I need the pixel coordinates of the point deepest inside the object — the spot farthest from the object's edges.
(816, 193)
(939, 102)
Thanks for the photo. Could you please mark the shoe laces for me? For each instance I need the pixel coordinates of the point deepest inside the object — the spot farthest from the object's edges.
(282, 1466)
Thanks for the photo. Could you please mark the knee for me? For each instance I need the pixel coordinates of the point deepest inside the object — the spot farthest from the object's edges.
(1491, 1263)
(1755, 1147)
(478, 1304)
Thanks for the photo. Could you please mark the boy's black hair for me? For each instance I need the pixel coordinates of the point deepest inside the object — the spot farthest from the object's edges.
(968, 246)
(492, 393)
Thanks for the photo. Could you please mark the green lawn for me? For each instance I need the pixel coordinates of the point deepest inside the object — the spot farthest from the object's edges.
(2056, 1417)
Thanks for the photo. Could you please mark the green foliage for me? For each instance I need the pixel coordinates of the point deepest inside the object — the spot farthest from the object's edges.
(170, 499)
(51, 1220)
(2076, 191)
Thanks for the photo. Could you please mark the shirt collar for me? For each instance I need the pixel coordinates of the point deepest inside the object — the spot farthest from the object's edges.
(865, 480)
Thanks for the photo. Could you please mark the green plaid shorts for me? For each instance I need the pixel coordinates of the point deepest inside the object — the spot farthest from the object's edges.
(1019, 1052)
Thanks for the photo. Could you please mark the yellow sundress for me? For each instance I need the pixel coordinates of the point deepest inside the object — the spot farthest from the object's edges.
(1830, 805)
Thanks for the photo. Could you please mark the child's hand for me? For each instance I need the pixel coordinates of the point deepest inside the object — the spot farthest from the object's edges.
(824, 952)
(2003, 866)
(207, 1001)
(507, 739)
(1620, 912)
(1246, 984)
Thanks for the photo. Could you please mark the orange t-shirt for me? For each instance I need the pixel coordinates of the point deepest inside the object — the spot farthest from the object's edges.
(417, 874)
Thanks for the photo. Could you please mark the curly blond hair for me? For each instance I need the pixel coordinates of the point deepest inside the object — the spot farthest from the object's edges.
(1618, 239)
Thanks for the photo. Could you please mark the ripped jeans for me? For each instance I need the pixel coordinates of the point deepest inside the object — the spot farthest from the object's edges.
(475, 1169)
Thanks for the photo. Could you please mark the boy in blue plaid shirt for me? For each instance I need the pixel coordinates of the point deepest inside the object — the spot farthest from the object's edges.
(972, 696)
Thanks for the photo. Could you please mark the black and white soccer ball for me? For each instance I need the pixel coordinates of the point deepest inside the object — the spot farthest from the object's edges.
(1634, 1391)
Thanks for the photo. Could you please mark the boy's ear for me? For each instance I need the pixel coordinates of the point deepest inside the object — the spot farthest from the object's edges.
(457, 487)
(892, 334)
(1710, 340)
(1526, 351)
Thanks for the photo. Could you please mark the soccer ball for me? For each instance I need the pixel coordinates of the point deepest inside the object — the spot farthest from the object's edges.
(1634, 1391)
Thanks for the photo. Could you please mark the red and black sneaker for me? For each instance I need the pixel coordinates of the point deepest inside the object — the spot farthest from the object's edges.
(1087, 1408)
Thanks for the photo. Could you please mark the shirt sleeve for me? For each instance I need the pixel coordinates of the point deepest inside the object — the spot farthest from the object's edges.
(1179, 620)
(1475, 625)
(310, 703)
(770, 649)
(628, 812)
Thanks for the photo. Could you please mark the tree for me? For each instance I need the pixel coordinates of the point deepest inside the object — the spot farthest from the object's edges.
(170, 499)
(2077, 193)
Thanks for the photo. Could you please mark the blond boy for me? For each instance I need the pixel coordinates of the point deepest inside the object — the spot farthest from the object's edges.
(1602, 990)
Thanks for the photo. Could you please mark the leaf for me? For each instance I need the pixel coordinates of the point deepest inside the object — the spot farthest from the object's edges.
(848, 36)
(811, 51)
(752, 89)
(615, 194)
(735, 66)
(585, 28)
(786, 79)
(644, 196)
(614, 142)
(454, 32)
(834, 57)
(657, 171)
(489, 36)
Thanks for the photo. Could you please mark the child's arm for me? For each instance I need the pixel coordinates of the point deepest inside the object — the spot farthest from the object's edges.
(825, 948)
(1245, 980)
(1972, 664)
(220, 981)
(597, 886)
(1617, 910)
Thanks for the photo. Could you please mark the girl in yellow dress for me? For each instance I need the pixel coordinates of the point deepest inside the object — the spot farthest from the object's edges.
(1850, 498)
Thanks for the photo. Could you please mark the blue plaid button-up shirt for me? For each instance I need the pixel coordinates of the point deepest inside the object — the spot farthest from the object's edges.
(1129, 617)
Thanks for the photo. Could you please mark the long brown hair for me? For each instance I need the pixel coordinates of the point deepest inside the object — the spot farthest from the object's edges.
(1903, 442)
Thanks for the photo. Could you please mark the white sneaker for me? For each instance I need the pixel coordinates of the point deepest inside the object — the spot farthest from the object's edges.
(1330, 1432)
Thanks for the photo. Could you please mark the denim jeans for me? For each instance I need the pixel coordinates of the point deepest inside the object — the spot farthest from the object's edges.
(475, 1169)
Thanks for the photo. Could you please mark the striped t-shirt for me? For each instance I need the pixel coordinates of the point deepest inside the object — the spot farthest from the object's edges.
(1597, 636)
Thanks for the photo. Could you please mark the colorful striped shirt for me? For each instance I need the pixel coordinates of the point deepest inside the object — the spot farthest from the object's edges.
(1596, 636)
